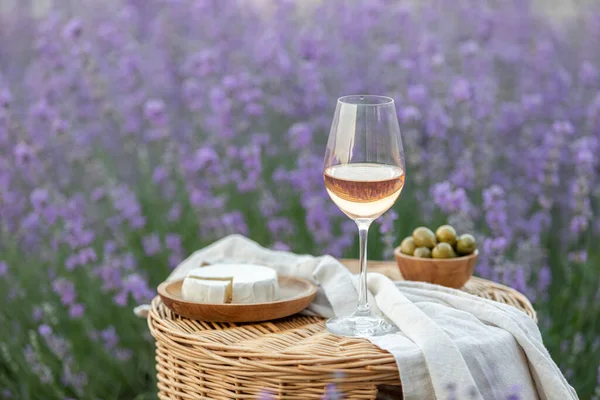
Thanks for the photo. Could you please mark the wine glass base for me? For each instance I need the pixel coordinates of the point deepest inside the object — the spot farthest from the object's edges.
(360, 325)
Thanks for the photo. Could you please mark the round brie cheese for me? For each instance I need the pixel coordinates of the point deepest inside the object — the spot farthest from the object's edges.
(231, 283)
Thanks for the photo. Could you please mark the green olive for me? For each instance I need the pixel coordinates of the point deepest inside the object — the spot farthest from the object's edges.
(408, 246)
(443, 250)
(424, 237)
(466, 244)
(422, 252)
(447, 234)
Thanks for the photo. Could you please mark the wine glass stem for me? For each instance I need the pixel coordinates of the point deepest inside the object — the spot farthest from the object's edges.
(363, 232)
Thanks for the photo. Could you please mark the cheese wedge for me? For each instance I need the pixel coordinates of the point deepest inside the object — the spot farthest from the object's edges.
(206, 290)
(231, 283)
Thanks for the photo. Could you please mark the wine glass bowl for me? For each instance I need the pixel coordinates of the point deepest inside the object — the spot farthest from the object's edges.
(364, 176)
(364, 190)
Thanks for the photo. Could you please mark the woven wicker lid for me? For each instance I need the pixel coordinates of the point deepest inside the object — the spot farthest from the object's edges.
(283, 357)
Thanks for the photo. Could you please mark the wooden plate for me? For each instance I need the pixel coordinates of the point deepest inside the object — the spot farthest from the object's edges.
(295, 295)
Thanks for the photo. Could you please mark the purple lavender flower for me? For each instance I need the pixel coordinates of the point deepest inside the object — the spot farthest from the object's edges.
(495, 204)
(254, 109)
(73, 29)
(76, 380)
(202, 63)
(174, 213)
(578, 225)
(87, 255)
(123, 354)
(578, 256)
(159, 175)
(126, 203)
(173, 242)
(409, 114)
(3, 268)
(205, 156)
(563, 127)
(121, 298)
(386, 227)
(417, 94)
(39, 198)
(109, 337)
(461, 90)
(24, 154)
(44, 330)
(65, 289)
(58, 345)
(110, 246)
(37, 314)
(5, 98)
(151, 244)
(29, 354)
(138, 287)
(234, 222)
(268, 205)
(197, 198)
(300, 135)
(390, 53)
(129, 261)
(450, 200)
(174, 260)
(41, 370)
(588, 74)
(280, 246)
(97, 194)
(544, 279)
(72, 262)
(154, 110)
(76, 311)
(520, 280)
(192, 94)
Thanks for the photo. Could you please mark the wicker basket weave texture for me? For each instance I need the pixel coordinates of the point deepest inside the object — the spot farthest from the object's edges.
(291, 358)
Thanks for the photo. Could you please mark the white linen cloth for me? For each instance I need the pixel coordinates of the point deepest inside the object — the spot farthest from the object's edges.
(449, 341)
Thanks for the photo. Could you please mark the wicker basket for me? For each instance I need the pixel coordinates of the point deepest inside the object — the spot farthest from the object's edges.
(291, 358)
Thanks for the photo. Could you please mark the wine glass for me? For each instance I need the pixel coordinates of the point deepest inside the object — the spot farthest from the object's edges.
(364, 175)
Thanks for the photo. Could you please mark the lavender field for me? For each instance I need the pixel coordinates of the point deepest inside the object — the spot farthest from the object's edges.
(135, 132)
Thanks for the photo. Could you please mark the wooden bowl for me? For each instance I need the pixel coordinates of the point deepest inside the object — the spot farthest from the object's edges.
(295, 295)
(450, 272)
